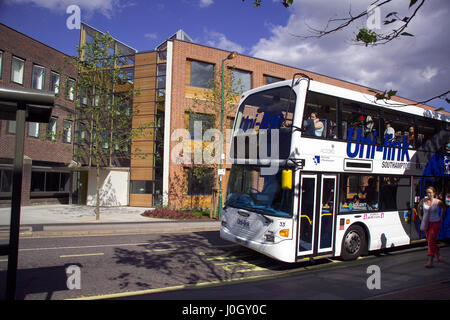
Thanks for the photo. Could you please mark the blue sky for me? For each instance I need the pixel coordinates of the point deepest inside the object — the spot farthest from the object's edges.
(417, 67)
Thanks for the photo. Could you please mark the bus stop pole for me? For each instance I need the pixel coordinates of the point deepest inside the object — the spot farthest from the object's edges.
(16, 204)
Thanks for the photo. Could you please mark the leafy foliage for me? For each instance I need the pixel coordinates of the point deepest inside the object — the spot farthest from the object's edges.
(164, 213)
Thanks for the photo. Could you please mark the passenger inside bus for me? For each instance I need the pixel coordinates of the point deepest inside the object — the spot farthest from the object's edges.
(389, 131)
(313, 126)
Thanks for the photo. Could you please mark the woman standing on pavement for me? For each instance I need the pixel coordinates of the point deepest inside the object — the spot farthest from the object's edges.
(429, 210)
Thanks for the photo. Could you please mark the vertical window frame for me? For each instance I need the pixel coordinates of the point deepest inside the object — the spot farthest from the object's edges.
(52, 129)
(15, 58)
(1, 63)
(67, 133)
(70, 89)
(55, 87)
(36, 67)
(35, 132)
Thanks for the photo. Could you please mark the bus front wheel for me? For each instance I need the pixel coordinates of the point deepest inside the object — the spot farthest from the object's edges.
(354, 243)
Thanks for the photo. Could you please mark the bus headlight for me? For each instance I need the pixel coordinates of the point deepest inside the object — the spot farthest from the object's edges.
(269, 236)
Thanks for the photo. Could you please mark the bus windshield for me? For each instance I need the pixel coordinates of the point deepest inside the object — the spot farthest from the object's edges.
(249, 189)
(268, 110)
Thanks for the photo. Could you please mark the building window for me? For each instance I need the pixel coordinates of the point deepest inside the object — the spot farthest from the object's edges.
(54, 82)
(51, 129)
(201, 74)
(70, 89)
(1, 63)
(12, 127)
(6, 180)
(142, 187)
(241, 81)
(199, 123)
(67, 131)
(270, 79)
(47, 181)
(33, 129)
(200, 181)
(38, 77)
(17, 70)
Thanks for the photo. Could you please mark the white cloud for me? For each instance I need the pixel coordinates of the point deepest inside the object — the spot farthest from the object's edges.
(151, 35)
(219, 40)
(402, 64)
(429, 73)
(206, 3)
(105, 7)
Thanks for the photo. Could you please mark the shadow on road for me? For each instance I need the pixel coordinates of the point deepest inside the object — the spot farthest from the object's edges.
(46, 280)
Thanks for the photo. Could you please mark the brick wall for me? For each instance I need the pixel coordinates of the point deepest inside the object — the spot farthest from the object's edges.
(14, 43)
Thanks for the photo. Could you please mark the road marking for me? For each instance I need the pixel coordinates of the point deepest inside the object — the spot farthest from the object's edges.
(161, 250)
(116, 245)
(84, 247)
(237, 265)
(189, 286)
(81, 255)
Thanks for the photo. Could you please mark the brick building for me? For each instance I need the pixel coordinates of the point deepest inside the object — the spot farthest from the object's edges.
(28, 63)
(169, 78)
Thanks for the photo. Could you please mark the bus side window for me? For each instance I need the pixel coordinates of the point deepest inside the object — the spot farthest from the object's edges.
(326, 108)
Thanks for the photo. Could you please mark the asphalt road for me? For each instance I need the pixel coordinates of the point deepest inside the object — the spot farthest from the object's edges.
(200, 265)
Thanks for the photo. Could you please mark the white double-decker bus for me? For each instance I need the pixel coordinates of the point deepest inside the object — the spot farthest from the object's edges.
(343, 184)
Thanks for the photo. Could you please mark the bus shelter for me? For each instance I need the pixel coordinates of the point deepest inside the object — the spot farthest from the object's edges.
(21, 105)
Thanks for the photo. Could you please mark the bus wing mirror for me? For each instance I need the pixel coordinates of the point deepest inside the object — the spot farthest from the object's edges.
(286, 179)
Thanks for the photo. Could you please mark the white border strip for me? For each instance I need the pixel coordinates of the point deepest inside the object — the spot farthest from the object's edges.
(167, 114)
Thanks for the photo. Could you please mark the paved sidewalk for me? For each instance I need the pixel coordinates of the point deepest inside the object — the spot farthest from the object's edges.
(54, 220)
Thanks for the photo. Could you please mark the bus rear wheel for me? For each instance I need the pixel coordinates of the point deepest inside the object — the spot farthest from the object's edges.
(354, 243)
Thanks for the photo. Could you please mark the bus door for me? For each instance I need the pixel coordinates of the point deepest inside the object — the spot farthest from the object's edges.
(327, 213)
(316, 213)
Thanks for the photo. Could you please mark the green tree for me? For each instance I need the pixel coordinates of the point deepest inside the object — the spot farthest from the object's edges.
(103, 93)
(210, 103)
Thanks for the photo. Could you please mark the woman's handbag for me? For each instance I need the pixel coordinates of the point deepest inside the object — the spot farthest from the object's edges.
(424, 223)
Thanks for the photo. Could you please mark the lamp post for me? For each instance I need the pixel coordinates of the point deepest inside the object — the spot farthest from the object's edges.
(232, 55)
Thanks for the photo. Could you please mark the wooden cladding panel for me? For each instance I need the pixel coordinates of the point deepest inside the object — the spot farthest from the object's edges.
(196, 201)
(141, 200)
(145, 58)
(138, 162)
(145, 96)
(141, 173)
(194, 92)
(144, 108)
(144, 83)
(143, 146)
(144, 120)
(145, 71)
